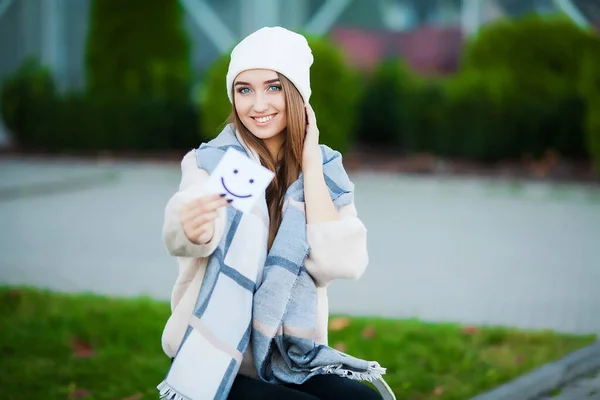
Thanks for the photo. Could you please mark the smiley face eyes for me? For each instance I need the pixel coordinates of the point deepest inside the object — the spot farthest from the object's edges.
(235, 171)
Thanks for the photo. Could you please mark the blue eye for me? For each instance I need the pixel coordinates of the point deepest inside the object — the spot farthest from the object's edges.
(274, 88)
(244, 90)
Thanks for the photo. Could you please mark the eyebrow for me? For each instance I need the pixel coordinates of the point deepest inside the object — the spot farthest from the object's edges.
(265, 82)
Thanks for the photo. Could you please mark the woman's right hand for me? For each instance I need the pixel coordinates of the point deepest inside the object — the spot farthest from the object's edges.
(198, 218)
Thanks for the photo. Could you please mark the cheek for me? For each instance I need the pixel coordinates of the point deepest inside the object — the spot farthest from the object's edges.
(280, 105)
(242, 105)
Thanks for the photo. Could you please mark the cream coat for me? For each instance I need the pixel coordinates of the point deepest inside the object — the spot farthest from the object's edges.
(338, 250)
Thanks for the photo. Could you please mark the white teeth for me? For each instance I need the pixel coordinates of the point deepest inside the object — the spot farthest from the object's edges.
(264, 119)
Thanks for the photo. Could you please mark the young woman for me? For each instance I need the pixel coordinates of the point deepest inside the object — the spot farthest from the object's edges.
(249, 307)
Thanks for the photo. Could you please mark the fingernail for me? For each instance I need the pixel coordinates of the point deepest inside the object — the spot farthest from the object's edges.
(229, 200)
(223, 194)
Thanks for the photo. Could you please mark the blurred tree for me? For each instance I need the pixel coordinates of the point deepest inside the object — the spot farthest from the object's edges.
(139, 79)
(539, 61)
(385, 108)
(589, 87)
(137, 48)
(27, 100)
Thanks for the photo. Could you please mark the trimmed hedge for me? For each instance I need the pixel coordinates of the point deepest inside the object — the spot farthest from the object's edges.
(386, 104)
(539, 62)
(400, 110)
(214, 103)
(336, 91)
(525, 86)
(138, 48)
(138, 87)
(89, 123)
(40, 118)
(26, 100)
(590, 89)
(517, 94)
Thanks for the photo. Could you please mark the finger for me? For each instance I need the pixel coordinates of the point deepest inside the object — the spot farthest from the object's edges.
(203, 219)
(192, 224)
(311, 118)
(203, 205)
(213, 204)
(190, 212)
(202, 201)
(191, 209)
(200, 232)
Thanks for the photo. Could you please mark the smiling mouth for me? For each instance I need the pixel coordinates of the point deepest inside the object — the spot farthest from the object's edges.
(264, 120)
(231, 193)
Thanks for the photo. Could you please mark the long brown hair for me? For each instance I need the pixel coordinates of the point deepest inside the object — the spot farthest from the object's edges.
(288, 165)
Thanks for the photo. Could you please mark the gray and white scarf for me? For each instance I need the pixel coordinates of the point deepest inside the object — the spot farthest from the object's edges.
(278, 316)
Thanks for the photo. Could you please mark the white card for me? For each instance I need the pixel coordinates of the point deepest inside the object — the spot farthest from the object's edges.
(242, 180)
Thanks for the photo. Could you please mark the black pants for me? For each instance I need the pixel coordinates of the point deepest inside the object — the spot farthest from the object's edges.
(320, 387)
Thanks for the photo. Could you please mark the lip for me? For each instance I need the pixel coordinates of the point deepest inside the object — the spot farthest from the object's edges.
(262, 116)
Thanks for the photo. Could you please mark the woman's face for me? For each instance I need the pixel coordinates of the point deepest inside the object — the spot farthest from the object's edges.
(260, 103)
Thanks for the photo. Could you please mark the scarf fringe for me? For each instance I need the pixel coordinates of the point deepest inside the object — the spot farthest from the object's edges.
(373, 373)
(166, 392)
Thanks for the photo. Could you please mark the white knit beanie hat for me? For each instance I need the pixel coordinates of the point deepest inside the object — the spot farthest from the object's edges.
(277, 49)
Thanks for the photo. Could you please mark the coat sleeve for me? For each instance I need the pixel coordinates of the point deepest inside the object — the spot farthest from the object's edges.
(338, 249)
(191, 187)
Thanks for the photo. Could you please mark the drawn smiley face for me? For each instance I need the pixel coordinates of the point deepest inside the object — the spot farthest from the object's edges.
(242, 180)
(238, 184)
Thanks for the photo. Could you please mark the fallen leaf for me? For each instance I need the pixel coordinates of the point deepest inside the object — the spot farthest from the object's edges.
(519, 359)
(339, 346)
(78, 394)
(470, 330)
(369, 332)
(81, 349)
(339, 323)
(136, 396)
(438, 391)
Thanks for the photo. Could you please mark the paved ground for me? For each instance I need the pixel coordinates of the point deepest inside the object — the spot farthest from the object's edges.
(484, 252)
(585, 388)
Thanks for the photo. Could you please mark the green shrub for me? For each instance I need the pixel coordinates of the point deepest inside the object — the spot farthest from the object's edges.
(138, 82)
(385, 108)
(137, 48)
(215, 107)
(401, 110)
(88, 123)
(335, 92)
(427, 120)
(479, 122)
(592, 125)
(589, 87)
(26, 98)
(540, 47)
(42, 119)
(540, 61)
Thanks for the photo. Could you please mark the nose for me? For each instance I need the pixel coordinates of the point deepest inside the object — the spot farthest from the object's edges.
(260, 103)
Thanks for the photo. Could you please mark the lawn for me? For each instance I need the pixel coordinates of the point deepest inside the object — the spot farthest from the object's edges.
(57, 346)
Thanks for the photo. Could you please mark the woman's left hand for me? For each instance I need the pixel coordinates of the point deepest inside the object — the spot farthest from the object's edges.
(311, 154)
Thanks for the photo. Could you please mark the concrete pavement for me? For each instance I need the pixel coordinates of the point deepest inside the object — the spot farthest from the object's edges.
(584, 388)
(470, 251)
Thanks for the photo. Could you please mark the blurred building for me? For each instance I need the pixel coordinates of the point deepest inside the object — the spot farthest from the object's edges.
(427, 33)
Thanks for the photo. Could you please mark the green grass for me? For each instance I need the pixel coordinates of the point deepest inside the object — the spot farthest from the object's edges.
(57, 346)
